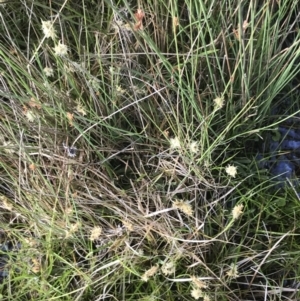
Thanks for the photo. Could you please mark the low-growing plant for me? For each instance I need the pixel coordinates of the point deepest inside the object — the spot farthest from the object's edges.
(129, 138)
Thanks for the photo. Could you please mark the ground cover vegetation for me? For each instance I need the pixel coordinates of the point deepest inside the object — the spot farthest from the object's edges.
(128, 135)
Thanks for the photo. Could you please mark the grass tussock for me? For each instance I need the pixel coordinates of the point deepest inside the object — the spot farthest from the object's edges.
(128, 136)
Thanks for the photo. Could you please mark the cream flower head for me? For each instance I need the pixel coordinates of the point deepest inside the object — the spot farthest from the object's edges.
(95, 233)
(237, 211)
(168, 268)
(48, 29)
(231, 170)
(233, 271)
(219, 103)
(61, 49)
(48, 71)
(194, 147)
(197, 293)
(175, 143)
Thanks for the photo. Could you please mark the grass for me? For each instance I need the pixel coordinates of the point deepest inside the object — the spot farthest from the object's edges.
(155, 104)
